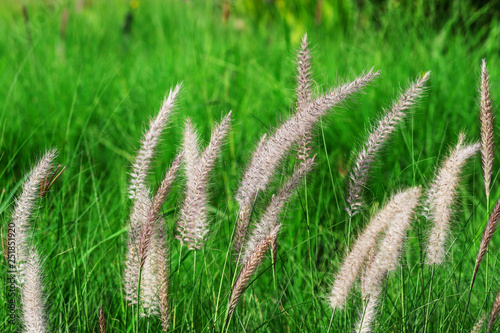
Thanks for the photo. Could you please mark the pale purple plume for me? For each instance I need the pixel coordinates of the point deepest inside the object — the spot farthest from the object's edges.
(440, 198)
(376, 140)
(269, 219)
(193, 224)
(365, 244)
(32, 298)
(487, 134)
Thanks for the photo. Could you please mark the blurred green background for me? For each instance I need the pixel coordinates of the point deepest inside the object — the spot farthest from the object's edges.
(86, 76)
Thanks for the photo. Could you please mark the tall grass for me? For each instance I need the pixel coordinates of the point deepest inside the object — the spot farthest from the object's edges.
(91, 90)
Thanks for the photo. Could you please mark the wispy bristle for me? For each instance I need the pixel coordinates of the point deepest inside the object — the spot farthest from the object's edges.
(485, 241)
(440, 198)
(487, 141)
(376, 140)
(266, 159)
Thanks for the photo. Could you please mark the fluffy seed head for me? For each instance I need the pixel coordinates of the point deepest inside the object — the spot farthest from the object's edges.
(33, 302)
(486, 117)
(376, 140)
(487, 235)
(193, 223)
(270, 218)
(365, 244)
(24, 206)
(440, 198)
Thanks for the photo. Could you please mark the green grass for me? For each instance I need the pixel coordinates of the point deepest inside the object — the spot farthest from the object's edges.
(91, 92)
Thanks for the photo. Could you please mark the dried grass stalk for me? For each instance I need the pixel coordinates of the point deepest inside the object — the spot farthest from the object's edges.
(440, 198)
(376, 140)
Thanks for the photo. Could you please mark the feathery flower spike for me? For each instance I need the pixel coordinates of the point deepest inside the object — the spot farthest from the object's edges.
(271, 151)
(387, 257)
(440, 198)
(140, 194)
(487, 235)
(376, 140)
(304, 93)
(495, 310)
(249, 269)
(193, 224)
(102, 321)
(479, 325)
(366, 242)
(24, 207)
(154, 211)
(270, 218)
(34, 319)
(486, 116)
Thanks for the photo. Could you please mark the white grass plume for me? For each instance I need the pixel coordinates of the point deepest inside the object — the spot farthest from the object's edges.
(249, 269)
(489, 230)
(270, 217)
(440, 198)
(391, 246)
(387, 257)
(33, 302)
(487, 134)
(140, 194)
(366, 242)
(367, 316)
(154, 252)
(376, 140)
(271, 151)
(24, 206)
(193, 223)
(304, 93)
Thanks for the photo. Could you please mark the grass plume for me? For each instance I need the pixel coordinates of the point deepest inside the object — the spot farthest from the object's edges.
(193, 224)
(487, 136)
(376, 140)
(440, 197)
(366, 242)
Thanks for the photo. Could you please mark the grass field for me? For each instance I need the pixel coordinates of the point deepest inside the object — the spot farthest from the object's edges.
(88, 86)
